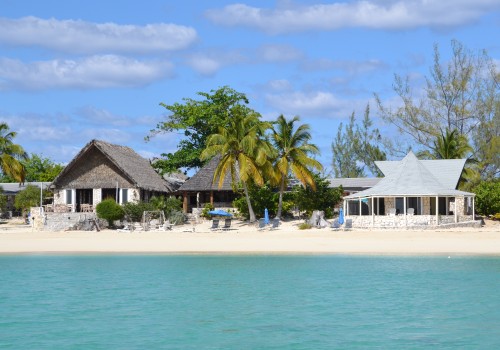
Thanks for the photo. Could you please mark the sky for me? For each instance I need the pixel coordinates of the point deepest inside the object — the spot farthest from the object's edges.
(72, 71)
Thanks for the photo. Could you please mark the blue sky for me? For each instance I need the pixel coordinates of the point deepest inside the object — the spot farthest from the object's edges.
(72, 71)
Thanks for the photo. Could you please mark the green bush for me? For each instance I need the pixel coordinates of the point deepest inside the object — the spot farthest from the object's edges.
(262, 197)
(109, 210)
(29, 197)
(133, 211)
(324, 198)
(305, 226)
(177, 217)
(206, 208)
(488, 197)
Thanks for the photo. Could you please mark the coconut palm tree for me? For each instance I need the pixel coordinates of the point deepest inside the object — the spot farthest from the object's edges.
(294, 150)
(10, 154)
(452, 145)
(243, 150)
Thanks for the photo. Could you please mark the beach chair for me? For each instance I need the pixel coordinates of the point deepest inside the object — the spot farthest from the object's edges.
(391, 212)
(262, 224)
(275, 224)
(227, 225)
(410, 211)
(348, 225)
(335, 225)
(215, 225)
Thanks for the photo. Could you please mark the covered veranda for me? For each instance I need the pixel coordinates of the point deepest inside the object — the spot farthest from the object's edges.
(411, 195)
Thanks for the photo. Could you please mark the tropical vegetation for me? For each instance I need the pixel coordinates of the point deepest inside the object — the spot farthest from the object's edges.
(11, 155)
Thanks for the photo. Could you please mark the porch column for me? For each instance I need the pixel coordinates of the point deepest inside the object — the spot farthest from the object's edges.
(473, 212)
(212, 198)
(373, 215)
(345, 207)
(360, 207)
(437, 210)
(185, 203)
(455, 211)
(404, 211)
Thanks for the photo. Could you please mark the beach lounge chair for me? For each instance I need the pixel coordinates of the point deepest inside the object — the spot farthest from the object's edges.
(275, 223)
(348, 224)
(335, 225)
(391, 212)
(215, 225)
(227, 224)
(262, 224)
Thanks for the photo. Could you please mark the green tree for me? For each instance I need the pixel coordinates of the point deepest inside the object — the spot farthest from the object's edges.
(243, 151)
(109, 210)
(452, 145)
(488, 197)
(29, 197)
(293, 154)
(324, 198)
(196, 120)
(11, 154)
(462, 95)
(39, 168)
(3, 200)
(356, 147)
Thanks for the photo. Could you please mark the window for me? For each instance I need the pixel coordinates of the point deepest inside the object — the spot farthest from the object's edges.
(124, 195)
(69, 197)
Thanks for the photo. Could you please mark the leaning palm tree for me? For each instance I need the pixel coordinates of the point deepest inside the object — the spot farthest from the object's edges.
(10, 154)
(243, 150)
(294, 150)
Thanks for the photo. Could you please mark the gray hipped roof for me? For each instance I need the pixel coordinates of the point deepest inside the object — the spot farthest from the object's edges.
(446, 171)
(14, 188)
(409, 178)
(135, 167)
(203, 179)
(354, 183)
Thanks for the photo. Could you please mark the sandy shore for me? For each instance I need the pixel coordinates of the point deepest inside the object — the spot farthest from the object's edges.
(246, 239)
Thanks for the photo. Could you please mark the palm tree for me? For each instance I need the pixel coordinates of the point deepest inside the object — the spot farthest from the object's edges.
(244, 151)
(10, 154)
(293, 148)
(452, 145)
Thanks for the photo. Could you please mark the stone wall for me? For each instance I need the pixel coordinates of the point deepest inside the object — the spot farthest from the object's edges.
(403, 221)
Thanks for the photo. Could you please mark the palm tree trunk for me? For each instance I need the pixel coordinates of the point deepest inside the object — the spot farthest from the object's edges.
(280, 201)
(250, 209)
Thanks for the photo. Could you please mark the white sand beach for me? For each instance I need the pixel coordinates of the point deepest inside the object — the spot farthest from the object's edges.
(247, 239)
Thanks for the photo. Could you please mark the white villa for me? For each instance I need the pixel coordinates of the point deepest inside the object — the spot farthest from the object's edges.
(412, 193)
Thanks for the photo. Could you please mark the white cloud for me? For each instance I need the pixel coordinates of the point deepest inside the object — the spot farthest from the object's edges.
(76, 36)
(93, 114)
(400, 14)
(91, 72)
(317, 103)
(209, 62)
(278, 53)
(350, 67)
(279, 85)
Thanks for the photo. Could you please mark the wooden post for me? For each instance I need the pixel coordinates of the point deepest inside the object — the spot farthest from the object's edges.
(212, 198)
(185, 203)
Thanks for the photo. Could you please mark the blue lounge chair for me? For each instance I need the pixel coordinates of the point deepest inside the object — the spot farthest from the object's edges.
(275, 224)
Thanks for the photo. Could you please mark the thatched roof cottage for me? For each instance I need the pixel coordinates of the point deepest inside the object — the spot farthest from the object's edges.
(200, 189)
(102, 170)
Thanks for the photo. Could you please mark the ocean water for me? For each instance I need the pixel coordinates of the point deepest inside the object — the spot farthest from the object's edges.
(249, 302)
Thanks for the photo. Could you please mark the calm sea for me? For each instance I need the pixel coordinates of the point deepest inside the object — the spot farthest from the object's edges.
(249, 302)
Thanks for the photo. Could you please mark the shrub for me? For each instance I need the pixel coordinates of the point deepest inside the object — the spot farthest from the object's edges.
(488, 197)
(109, 210)
(206, 208)
(177, 217)
(305, 226)
(133, 211)
(29, 197)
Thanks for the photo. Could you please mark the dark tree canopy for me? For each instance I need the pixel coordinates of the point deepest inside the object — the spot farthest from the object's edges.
(196, 120)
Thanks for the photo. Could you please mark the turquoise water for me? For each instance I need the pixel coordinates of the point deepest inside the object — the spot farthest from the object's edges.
(249, 302)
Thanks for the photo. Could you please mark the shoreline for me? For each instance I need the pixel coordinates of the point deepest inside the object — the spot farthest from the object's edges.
(245, 239)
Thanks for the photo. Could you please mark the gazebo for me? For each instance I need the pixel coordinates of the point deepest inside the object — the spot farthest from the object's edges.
(413, 193)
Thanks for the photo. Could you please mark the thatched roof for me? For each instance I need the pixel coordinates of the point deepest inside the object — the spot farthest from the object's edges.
(203, 179)
(136, 168)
